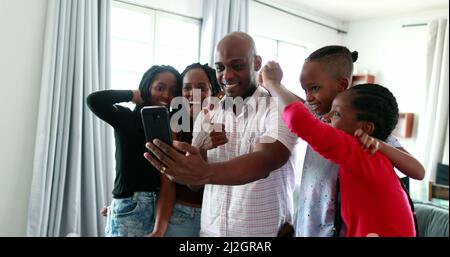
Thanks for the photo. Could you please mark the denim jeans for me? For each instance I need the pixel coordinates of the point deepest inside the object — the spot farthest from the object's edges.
(184, 222)
(131, 216)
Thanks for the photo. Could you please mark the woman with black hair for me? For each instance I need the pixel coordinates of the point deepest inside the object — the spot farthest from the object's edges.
(141, 196)
(185, 220)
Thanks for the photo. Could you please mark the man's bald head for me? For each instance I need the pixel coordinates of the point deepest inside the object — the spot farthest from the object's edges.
(238, 38)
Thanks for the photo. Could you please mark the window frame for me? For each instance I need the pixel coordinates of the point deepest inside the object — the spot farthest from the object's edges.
(278, 41)
(155, 17)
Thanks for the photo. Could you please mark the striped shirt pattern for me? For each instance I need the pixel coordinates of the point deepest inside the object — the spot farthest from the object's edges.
(258, 208)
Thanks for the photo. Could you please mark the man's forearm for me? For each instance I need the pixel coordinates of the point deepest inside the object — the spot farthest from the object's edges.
(247, 168)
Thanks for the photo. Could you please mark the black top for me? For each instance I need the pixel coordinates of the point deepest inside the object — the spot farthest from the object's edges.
(133, 172)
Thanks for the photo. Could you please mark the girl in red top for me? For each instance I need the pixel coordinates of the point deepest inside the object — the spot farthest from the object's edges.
(373, 201)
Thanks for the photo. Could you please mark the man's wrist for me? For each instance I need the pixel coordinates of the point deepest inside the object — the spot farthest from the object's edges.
(208, 178)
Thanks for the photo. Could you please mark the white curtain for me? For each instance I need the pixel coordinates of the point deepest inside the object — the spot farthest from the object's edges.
(434, 119)
(221, 17)
(445, 157)
(72, 172)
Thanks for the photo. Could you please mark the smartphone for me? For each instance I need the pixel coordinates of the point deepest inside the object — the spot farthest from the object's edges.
(155, 120)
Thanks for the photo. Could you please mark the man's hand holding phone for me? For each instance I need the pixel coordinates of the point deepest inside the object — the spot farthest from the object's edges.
(155, 120)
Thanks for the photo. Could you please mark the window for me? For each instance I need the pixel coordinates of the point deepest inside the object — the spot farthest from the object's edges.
(178, 41)
(289, 56)
(142, 37)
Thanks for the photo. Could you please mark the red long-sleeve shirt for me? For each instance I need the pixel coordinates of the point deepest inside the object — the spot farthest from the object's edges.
(373, 200)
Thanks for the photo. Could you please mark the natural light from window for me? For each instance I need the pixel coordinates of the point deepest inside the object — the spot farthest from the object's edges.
(178, 41)
(142, 37)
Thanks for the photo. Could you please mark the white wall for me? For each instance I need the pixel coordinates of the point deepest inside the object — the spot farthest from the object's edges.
(22, 25)
(268, 22)
(396, 56)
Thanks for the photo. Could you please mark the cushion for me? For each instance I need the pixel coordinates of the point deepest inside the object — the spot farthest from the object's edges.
(432, 220)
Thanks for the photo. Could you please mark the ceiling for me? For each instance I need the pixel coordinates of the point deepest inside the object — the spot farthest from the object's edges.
(352, 10)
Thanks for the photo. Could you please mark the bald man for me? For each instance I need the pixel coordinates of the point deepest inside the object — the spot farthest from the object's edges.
(249, 181)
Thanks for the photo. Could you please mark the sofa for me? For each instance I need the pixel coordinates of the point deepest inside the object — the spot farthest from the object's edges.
(432, 219)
